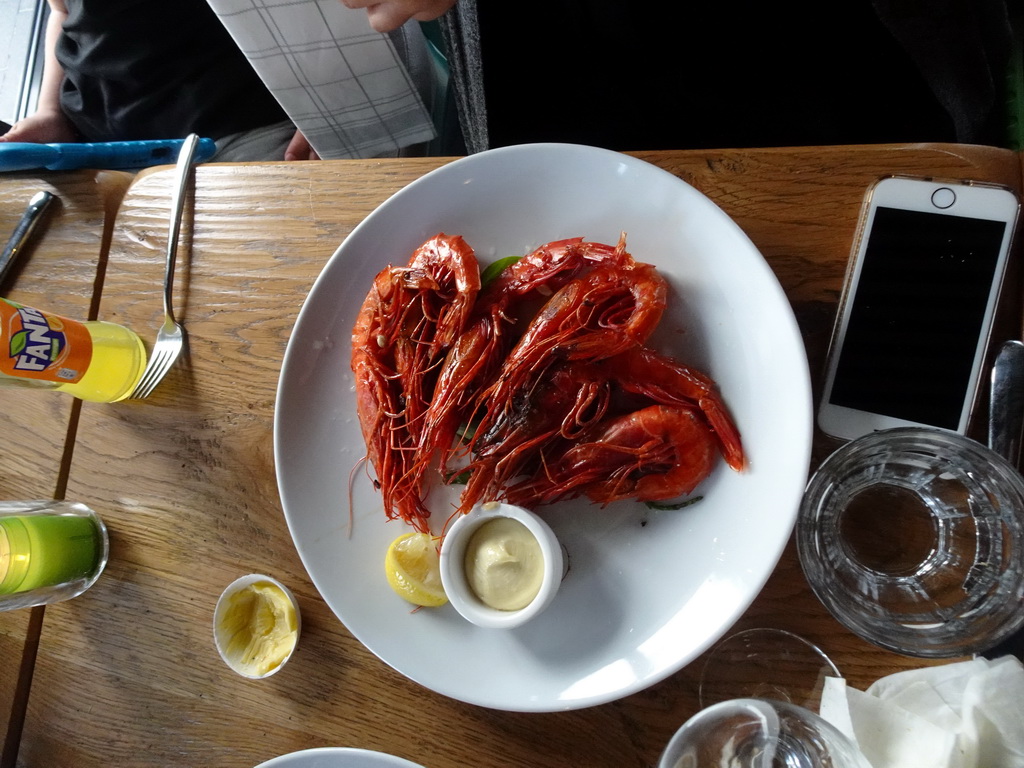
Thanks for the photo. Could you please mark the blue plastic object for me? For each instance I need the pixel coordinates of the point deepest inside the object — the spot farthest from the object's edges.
(113, 155)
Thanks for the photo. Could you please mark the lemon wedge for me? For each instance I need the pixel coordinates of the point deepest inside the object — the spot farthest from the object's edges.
(413, 569)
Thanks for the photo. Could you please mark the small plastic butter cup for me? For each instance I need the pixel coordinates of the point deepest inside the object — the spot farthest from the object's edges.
(453, 566)
(222, 635)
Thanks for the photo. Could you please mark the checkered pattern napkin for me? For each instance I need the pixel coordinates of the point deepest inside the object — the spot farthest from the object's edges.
(342, 84)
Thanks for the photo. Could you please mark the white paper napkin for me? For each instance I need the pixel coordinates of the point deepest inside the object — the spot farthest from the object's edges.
(961, 715)
(342, 84)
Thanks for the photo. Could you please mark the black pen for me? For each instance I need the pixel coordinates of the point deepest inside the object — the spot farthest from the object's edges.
(22, 232)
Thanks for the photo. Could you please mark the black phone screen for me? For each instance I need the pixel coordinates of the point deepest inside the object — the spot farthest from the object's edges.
(917, 316)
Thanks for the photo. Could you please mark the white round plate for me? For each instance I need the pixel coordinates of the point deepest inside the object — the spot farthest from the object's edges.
(647, 591)
(337, 757)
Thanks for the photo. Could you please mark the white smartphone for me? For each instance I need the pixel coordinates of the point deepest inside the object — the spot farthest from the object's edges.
(917, 308)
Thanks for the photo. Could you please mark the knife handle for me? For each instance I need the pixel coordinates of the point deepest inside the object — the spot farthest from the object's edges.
(39, 202)
(1006, 406)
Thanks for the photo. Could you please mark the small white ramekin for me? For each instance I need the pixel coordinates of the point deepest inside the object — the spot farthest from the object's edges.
(453, 570)
(220, 640)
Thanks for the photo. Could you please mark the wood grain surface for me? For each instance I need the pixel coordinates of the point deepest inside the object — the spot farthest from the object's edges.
(127, 673)
(59, 271)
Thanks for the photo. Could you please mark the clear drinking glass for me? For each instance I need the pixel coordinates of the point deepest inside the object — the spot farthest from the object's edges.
(766, 663)
(759, 733)
(49, 551)
(914, 539)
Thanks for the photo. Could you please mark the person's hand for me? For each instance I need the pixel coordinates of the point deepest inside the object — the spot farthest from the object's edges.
(43, 127)
(391, 14)
(299, 149)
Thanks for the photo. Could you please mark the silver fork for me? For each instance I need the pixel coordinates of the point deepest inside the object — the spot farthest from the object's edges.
(171, 337)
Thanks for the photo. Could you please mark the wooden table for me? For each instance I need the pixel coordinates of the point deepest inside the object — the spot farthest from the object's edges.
(60, 271)
(127, 673)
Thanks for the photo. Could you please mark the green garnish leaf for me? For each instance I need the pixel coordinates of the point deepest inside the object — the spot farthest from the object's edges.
(490, 274)
(673, 505)
(466, 432)
(458, 478)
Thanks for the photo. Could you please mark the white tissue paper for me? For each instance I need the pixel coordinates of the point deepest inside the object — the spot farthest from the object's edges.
(967, 714)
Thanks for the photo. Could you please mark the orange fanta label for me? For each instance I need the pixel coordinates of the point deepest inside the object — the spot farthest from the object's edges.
(38, 345)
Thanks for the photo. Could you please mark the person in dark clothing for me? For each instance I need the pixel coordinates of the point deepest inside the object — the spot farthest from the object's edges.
(628, 76)
(122, 70)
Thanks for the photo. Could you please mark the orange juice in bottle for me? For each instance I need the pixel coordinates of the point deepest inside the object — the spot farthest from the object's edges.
(91, 360)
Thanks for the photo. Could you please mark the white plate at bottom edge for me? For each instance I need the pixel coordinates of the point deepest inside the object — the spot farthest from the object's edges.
(338, 757)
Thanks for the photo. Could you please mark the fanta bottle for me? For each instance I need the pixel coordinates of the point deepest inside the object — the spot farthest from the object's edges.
(91, 360)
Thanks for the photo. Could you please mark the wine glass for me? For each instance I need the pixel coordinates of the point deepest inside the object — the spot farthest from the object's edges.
(765, 663)
(759, 733)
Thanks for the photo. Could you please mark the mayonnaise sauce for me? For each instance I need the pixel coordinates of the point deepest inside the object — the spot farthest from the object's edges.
(504, 564)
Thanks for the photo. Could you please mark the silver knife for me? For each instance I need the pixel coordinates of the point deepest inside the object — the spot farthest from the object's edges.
(39, 202)
(1006, 417)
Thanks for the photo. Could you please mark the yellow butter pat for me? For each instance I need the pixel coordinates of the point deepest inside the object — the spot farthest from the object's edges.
(259, 628)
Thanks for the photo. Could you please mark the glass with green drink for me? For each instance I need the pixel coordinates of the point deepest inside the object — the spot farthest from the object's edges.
(49, 551)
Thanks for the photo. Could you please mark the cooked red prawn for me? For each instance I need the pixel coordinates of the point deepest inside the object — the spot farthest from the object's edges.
(475, 358)
(564, 407)
(667, 381)
(409, 319)
(539, 434)
(656, 453)
(612, 309)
